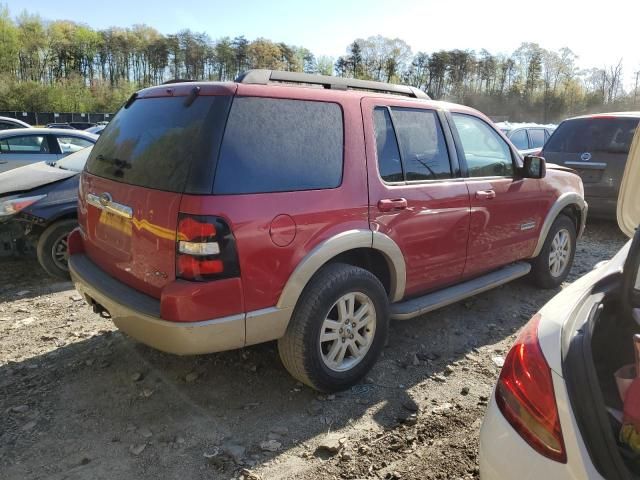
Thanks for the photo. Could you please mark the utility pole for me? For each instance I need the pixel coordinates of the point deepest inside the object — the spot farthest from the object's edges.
(635, 92)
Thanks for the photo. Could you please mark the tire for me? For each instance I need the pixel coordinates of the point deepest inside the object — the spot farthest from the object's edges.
(543, 272)
(302, 352)
(51, 244)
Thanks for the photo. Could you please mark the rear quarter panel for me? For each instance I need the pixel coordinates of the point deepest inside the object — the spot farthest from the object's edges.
(318, 214)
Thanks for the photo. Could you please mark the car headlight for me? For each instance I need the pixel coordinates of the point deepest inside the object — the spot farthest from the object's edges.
(12, 205)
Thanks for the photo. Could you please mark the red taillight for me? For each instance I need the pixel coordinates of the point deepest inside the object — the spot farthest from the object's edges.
(526, 397)
(205, 248)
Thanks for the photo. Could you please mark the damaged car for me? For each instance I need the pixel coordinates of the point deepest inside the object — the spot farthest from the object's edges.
(38, 204)
(567, 402)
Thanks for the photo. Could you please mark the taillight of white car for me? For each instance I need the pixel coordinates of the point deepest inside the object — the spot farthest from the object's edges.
(13, 205)
(526, 397)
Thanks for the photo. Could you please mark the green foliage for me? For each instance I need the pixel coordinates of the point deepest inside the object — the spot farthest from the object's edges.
(62, 65)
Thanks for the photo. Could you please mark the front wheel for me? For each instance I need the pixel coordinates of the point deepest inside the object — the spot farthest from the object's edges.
(551, 267)
(338, 328)
(52, 248)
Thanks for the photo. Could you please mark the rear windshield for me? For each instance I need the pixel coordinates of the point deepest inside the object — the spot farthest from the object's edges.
(610, 135)
(160, 142)
(278, 145)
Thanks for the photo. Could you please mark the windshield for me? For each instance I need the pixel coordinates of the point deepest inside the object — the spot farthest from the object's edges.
(75, 161)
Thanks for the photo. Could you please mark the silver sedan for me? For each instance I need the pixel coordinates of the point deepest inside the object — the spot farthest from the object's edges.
(22, 146)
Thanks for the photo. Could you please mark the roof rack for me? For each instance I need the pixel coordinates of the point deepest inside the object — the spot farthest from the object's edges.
(263, 77)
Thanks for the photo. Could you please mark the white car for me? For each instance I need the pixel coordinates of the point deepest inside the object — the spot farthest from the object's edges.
(555, 412)
(528, 138)
(23, 146)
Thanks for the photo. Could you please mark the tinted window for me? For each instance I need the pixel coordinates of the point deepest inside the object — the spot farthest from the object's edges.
(276, 145)
(485, 152)
(156, 141)
(387, 147)
(612, 135)
(422, 145)
(536, 138)
(9, 126)
(25, 144)
(519, 139)
(72, 144)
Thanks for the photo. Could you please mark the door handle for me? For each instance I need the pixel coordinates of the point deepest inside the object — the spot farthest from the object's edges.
(485, 194)
(388, 204)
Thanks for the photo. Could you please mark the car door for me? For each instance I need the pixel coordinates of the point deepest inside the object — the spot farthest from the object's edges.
(23, 149)
(506, 212)
(416, 194)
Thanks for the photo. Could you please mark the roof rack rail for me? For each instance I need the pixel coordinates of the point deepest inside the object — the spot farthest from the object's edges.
(263, 77)
(178, 80)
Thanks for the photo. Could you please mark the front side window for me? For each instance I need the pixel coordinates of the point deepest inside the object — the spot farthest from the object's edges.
(485, 152)
(280, 145)
(25, 144)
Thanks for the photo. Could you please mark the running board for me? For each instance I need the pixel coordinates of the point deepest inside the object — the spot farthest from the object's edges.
(432, 301)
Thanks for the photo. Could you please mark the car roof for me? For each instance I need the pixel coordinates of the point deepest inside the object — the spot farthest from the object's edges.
(15, 120)
(47, 131)
(314, 92)
(514, 125)
(608, 115)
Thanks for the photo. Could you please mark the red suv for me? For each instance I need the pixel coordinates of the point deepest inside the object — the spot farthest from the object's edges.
(219, 215)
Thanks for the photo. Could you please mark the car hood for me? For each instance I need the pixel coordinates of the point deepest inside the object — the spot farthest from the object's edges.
(31, 176)
(629, 196)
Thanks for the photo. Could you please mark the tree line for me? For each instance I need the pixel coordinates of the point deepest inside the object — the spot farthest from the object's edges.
(62, 65)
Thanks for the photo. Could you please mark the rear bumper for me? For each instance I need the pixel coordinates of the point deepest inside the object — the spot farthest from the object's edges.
(138, 315)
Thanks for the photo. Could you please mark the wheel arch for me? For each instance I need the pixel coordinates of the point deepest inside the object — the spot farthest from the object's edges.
(571, 204)
(352, 244)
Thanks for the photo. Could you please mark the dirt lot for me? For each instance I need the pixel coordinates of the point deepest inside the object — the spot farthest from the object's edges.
(80, 400)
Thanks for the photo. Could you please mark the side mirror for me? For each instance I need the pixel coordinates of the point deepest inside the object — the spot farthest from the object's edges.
(534, 167)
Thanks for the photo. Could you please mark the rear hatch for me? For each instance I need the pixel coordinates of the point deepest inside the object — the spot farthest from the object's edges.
(161, 144)
(596, 147)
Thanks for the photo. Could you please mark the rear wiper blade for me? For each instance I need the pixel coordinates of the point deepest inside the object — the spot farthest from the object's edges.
(195, 91)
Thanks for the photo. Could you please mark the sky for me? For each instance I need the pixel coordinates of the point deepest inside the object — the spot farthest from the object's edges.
(599, 32)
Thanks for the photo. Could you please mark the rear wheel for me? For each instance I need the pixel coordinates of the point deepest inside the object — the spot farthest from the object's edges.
(551, 267)
(52, 248)
(338, 328)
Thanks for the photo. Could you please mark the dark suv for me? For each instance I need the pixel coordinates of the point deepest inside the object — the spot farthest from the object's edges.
(596, 146)
(310, 210)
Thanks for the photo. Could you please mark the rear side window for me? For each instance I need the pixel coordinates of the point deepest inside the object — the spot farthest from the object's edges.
(609, 135)
(536, 138)
(389, 163)
(519, 139)
(422, 145)
(157, 142)
(72, 144)
(278, 145)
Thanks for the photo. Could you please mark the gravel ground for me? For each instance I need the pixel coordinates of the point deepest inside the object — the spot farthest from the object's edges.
(80, 400)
